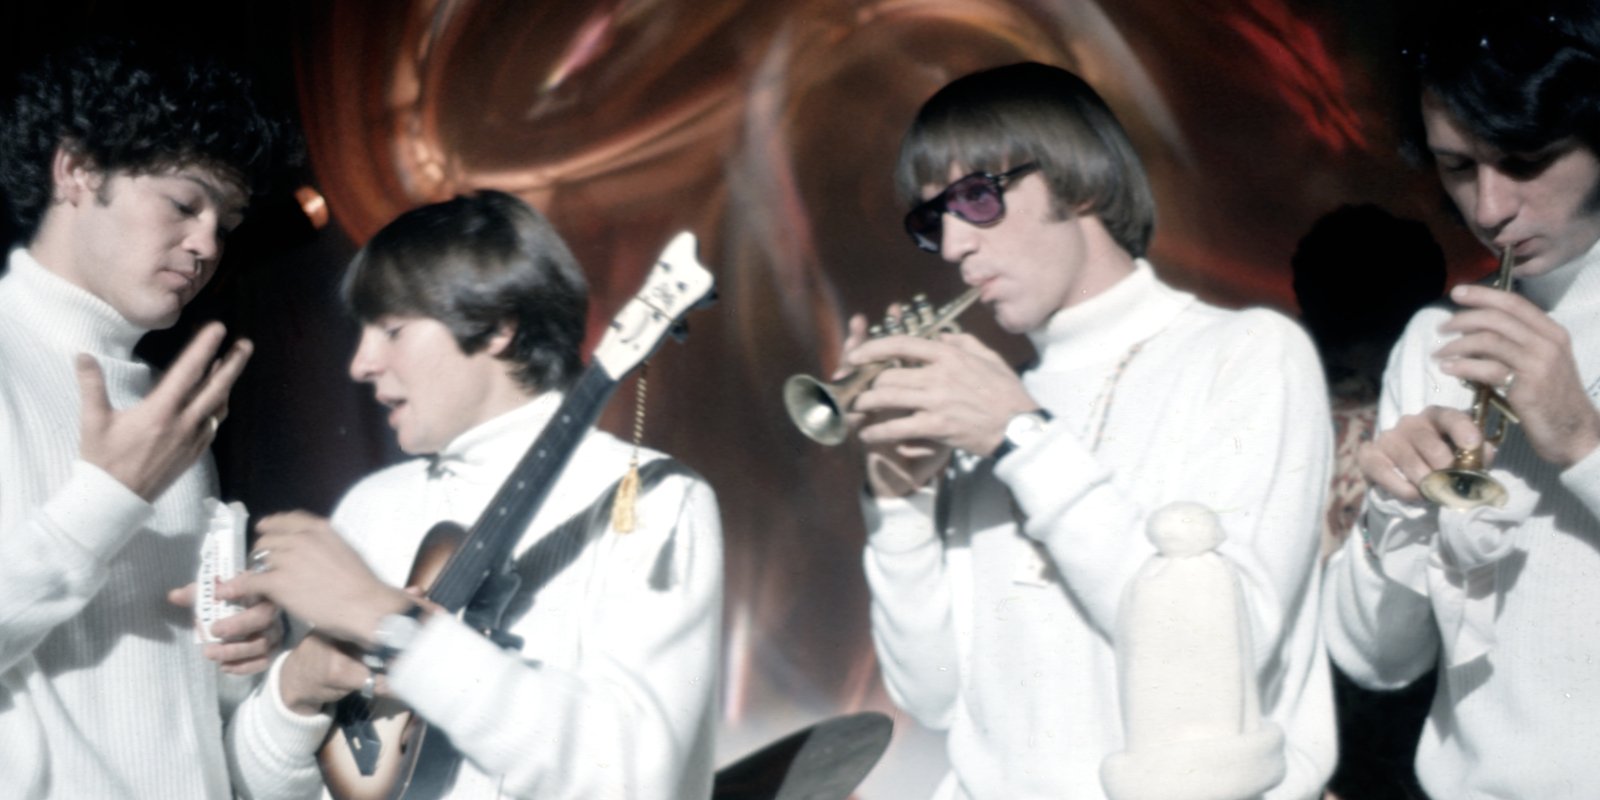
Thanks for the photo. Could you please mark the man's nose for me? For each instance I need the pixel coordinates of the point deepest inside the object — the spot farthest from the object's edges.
(1497, 202)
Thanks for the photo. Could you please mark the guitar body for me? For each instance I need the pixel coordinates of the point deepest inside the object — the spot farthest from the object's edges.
(399, 733)
(402, 736)
(379, 749)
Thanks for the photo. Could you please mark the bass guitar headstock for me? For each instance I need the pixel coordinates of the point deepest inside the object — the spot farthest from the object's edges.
(677, 284)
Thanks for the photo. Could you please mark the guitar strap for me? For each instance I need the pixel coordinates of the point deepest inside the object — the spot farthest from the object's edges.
(531, 571)
(437, 759)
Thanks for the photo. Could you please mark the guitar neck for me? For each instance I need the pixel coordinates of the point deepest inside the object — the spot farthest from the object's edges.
(490, 541)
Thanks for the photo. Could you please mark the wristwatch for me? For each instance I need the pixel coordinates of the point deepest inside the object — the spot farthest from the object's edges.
(1022, 429)
(395, 632)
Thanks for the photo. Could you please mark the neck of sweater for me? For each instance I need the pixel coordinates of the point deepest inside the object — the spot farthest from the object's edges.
(487, 452)
(64, 313)
(1106, 325)
(1569, 292)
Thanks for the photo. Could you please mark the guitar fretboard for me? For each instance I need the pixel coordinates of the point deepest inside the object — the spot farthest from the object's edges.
(489, 543)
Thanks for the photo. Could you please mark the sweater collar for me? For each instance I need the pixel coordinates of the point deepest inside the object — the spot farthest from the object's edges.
(1105, 325)
(67, 313)
(1572, 286)
(486, 453)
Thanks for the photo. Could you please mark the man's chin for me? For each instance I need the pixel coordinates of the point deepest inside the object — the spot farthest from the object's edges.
(411, 448)
(162, 312)
(155, 322)
(1011, 325)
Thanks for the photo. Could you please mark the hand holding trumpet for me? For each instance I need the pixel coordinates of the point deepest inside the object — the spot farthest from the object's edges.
(1508, 342)
(953, 392)
(1512, 347)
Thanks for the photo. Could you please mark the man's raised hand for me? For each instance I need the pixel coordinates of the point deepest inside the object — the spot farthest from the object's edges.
(146, 447)
(1512, 345)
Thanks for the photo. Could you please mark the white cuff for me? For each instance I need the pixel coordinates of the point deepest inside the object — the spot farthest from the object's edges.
(270, 734)
(1583, 480)
(1397, 539)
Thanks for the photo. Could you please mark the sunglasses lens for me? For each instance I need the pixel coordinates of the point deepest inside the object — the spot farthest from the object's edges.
(978, 199)
(975, 199)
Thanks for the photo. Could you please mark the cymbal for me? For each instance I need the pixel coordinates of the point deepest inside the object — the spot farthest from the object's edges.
(825, 761)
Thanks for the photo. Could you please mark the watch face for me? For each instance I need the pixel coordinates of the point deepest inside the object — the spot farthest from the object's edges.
(1024, 424)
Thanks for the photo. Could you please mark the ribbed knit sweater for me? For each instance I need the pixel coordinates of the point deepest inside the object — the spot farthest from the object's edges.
(103, 694)
(1523, 720)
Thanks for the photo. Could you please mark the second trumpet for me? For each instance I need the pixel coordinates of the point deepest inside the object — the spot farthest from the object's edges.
(818, 407)
(1466, 484)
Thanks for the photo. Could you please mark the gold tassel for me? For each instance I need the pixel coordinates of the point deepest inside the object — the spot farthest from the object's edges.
(622, 508)
(623, 516)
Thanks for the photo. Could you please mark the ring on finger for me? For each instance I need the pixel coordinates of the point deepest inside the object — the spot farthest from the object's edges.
(258, 562)
(1505, 385)
(369, 685)
(213, 423)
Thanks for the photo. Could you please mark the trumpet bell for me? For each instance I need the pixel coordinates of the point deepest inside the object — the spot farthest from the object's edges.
(815, 409)
(1463, 489)
(818, 408)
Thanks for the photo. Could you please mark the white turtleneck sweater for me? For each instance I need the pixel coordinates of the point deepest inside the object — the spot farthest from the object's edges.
(1522, 720)
(613, 692)
(102, 691)
(1013, 653)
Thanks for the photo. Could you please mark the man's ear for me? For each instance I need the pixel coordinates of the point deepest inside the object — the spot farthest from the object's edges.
(501, 340)
(73, 175)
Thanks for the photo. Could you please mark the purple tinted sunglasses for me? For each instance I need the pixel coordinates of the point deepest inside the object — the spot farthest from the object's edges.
(978, 198)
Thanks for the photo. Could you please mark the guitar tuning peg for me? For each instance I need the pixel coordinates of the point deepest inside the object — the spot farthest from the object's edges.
(679, 331)
(708, 300)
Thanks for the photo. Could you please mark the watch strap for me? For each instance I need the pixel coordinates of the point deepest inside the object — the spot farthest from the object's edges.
(1008, 443)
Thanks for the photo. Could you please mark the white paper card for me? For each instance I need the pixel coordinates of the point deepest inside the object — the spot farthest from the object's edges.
(221, 557)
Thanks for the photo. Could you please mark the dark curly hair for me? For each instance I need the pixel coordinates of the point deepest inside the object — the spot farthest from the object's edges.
(135, 108)
(474, 263)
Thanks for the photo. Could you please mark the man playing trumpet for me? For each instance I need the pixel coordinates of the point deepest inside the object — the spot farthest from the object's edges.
(1496, 596)
(1007, 513)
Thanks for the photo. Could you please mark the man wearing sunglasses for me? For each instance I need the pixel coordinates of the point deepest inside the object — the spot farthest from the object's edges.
(1008, 513)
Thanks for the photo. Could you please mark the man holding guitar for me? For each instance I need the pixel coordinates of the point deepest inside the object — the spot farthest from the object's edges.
(598, 679)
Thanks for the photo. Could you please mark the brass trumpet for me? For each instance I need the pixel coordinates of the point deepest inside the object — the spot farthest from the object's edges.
(1465, 484)
(818, 408)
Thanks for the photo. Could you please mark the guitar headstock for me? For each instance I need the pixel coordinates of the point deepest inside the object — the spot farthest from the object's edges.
(677, 284)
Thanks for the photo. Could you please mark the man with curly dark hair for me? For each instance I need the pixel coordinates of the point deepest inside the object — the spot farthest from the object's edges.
(124, 168)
